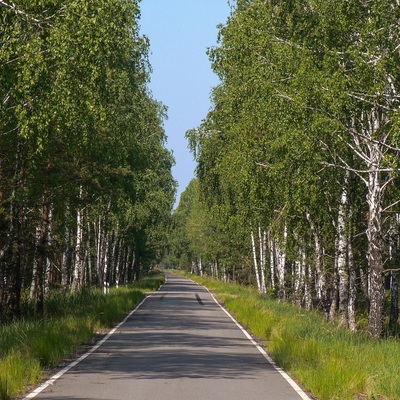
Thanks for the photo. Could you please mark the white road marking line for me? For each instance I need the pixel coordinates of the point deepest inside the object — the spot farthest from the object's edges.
(291, 382)
(51, 381)
(58, 375)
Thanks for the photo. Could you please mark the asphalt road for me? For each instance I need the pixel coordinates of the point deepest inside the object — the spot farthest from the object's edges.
(178, 345)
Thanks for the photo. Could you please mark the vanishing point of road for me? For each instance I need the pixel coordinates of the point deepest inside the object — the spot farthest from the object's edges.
(178, 345)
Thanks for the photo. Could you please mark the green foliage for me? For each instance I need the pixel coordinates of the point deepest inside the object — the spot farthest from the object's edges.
(308, 93)
(79, 130)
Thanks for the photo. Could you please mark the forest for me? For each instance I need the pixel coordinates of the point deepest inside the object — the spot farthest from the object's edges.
(297, 179)
(86, 189)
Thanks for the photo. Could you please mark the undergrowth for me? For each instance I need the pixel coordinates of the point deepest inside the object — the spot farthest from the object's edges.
(328, 361)
(29, 348)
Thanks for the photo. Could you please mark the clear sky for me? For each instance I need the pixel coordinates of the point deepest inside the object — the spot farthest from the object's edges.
(180, 31)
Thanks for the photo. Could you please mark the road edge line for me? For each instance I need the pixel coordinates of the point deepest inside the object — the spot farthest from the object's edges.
(59, 374)
(284, 374)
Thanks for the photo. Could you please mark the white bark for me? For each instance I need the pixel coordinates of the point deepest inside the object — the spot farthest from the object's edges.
(334, 287)
(118, 263)
(76, 283)
(98, 245)
(341, 250)
(375, 260)
(305, 268)
(66, 257)
(34, 271)
(47, 275)
(88, 252)
(281, 266)
(272, 262)
(200, 266)
(298, 281)
(256, 272)
(106, 283)
(352, 288)
(262, 237)
(320, 284)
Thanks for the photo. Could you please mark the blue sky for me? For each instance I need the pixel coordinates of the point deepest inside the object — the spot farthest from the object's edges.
(180, 31)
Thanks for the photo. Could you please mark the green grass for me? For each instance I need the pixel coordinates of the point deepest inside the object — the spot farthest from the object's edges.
(29, 348)
(328, 361)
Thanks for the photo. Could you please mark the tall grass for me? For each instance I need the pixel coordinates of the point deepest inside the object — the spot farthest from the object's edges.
(328, 361)
(29, 348)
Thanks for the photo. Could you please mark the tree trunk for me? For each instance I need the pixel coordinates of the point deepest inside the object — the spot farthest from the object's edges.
(352, 287)
(200, 266)
(17, 252)
(281, 267)
(320, 284)
(306, 270)
(49, 254)
(34, 268)
(118, 263)
(256, 272)
(76, 282)
(298, 281)
(262, 237)
(272, 263)
(66, 257)
(41, 256)
(375, 260)
(341, 250)
(394, 278)
(89, 253)
(106, 251)
(334, 292)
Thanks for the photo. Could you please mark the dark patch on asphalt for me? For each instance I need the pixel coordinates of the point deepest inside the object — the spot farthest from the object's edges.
(199, 300)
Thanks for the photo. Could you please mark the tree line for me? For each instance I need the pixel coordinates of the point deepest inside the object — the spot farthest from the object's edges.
(85, 179)
(297, 187)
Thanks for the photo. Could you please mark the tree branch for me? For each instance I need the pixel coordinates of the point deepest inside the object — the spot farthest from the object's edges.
(28, 17)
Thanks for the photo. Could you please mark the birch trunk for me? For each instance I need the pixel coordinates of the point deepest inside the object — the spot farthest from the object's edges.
(298, 284)
(89, 252)
(375, 260)
(15, 264)
(256, 272)
(47, 279)
(34, 268)
(341, 250)
(320, 284)
(262, 237)
(118, 263)
(98, 245)
(334, 292)
(76, 282)
(2, 279)
(394, 278)
(281, 267)
(306, 278)
(200, 265)
(352, 287)
(41, 256)
(272, 262)
(131, 275)
(66, 257)
(106, 283)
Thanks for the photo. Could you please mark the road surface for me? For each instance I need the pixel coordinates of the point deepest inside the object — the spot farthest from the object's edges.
(178, 345)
